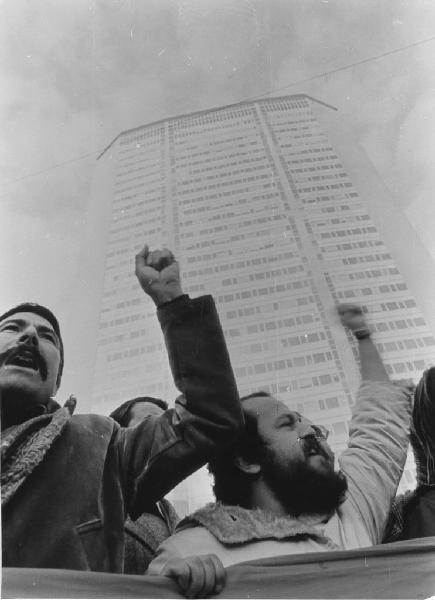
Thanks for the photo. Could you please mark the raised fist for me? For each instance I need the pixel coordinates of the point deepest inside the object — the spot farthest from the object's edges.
(352, 316)
(158, 274)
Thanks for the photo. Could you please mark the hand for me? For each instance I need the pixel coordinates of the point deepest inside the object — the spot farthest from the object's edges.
(197, 576)
(158, 274)
(352, 316)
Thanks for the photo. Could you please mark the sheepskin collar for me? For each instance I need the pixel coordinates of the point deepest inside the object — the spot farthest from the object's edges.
(237, 525)
(24, 446)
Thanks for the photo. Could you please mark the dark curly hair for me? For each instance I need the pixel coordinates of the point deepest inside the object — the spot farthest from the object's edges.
(423, 428)
(122, 414)
(231, 485)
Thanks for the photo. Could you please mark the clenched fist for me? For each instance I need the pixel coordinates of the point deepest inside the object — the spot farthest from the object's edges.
(158, 274)
(197, 576)
(352, 316)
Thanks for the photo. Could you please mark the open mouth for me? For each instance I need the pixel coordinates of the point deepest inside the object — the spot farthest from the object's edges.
(313, 452)
(25, 358)
(312, 448)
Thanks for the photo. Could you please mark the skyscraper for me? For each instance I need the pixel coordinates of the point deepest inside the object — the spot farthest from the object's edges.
(258, 208)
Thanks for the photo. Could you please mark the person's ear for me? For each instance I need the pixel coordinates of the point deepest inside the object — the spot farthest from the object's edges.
(250, 468)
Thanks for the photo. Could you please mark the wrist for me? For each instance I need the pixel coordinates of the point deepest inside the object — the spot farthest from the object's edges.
(361, 333)
(162, 299)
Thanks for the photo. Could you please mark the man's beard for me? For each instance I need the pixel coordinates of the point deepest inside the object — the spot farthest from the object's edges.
(303, 489)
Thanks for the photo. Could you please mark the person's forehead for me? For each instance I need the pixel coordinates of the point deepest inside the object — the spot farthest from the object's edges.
(29, 318)
(267, 407)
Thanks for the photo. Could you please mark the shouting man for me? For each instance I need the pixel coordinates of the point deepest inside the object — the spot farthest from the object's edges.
(277, 490)
(68, 482)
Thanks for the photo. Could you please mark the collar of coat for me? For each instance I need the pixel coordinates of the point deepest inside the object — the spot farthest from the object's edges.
(24, 446)
(237, 525)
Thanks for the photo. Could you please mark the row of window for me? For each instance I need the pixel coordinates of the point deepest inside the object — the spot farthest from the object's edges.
(275, 289)
(131, 352)
(389, 306)
(129, 392)
(294, 362)
(269, 232)
(334, 198)
(249, 311)
(353, 260)
(220, 175)
(242, 264)
(408, 344)
(221, 184)
(221, 162)
(243, 279)
(299, 180)
(346, 232)
(137, 225)
(197, 200)
(122, 320)
(316, 224)
(183, 161)
(295, 384)
(369, 273)
(319, 188)
(256, 205)
(400, 368)
(350, 246)
(381, 289)
(311, 150)
(311, 160)
(399, 324)
(155, 200)
(234, 224)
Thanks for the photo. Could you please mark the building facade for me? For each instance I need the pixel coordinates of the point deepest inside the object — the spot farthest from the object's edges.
(258, 208)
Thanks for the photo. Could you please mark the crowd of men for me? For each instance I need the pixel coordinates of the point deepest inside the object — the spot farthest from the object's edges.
(86, 492)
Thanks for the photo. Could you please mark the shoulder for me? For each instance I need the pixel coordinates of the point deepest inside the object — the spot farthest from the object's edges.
(92, 425)
(388, 389)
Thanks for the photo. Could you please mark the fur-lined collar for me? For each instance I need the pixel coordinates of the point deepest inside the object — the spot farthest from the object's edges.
(24, 446)
(237, 525)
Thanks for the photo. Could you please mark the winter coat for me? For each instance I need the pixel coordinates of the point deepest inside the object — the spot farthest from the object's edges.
(69, 510)
(144, 536)
(373, 463)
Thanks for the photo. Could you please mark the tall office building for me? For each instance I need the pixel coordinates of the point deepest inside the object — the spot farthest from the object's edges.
(257, 206)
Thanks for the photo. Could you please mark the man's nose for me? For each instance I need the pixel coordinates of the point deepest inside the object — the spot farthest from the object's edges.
(305, 431)
(29, 337)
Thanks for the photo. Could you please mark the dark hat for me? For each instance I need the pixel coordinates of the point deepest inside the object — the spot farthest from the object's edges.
(44, 312)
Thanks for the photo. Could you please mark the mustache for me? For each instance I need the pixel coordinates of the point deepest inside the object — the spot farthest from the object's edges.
(21, 350)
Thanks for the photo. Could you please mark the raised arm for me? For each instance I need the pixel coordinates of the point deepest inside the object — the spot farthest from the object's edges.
(162, 451)
(378, 434)
(371, 365)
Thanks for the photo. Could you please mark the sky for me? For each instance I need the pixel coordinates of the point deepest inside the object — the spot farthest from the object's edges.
(75, 73)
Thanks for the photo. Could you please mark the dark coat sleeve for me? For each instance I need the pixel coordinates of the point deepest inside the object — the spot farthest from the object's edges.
(162, 451)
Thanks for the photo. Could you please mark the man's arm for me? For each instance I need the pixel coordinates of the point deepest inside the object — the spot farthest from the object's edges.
(371, 365)
(162, 451)
(378, 433)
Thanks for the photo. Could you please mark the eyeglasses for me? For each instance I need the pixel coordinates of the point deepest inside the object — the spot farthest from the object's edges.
(320, 433)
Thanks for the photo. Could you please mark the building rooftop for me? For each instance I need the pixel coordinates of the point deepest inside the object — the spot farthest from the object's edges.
(214, 109)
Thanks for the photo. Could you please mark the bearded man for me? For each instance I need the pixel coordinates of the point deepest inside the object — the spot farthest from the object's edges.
(277, 490)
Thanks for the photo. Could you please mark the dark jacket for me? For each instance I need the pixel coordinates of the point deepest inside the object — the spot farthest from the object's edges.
(412, 514)
(69, 513)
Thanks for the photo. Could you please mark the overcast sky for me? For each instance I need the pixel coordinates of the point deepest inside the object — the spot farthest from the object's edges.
(75, 73)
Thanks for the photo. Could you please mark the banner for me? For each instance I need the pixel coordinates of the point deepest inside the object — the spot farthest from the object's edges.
(400, 570)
